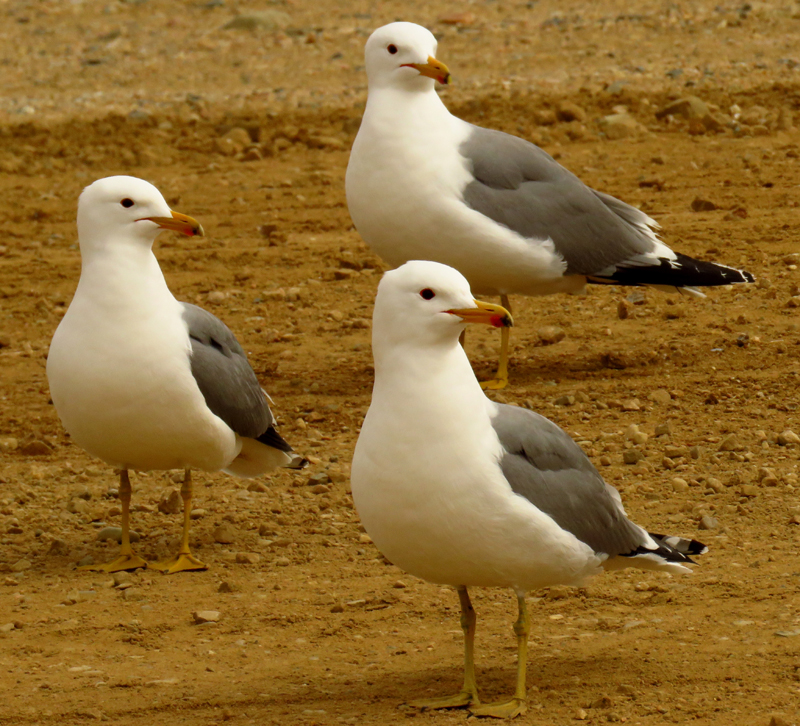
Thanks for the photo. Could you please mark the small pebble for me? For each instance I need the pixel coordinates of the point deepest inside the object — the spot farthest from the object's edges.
(225, 534)
(206, 616)
(550, 334)
(115, 533)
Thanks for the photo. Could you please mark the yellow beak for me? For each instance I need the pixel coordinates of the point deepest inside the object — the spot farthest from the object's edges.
(178, 222)
(495, 315)
(432, 69)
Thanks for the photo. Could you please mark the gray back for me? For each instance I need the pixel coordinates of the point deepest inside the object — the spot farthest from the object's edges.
(522, 187)
(543, 464)
(224, 375)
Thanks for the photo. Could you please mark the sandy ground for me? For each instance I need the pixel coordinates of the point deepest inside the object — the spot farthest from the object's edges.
(314, 627)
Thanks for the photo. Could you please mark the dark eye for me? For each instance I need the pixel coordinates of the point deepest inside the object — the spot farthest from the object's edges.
(127, 203)
(427, 294)
(392, 49)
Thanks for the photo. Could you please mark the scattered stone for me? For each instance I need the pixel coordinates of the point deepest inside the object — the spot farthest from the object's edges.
(688, 107)
(638, 437)
(122, 578)
(463, 19)
(7, 628)
(58, 548)
(663, 429)
(115, 533)
(703, 205)
(660, 395)
(784, 122)
(225, 534)
(558, 592)
(134, 594)
(755, 116)
(623, 309)
(247, 558)
(749, 490)
(282, 561)
(77, 506)
(233, 142)
(257, 486)
(787, 438)
(568, 111)
(632, 456)
(36, 448)
(602, 702)
(619, 126)
(777, 719)
(730, 443)
(320, 477)
(679, 485)
(564, 401)
(171, 503)
(197, 513)
(261, 20)
(226, 586)
(550, 334)
(707, 522)
(205, 616)
(21, 565)
(337, 608)
(544, 116)
(8, 443)
(581, 715)
(632, 404)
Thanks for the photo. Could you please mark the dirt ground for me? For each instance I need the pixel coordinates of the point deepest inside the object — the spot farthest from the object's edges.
(314, 626)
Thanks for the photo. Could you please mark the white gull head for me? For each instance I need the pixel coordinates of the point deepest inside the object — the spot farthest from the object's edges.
(403, 55)
(426, 304)
(126, 210)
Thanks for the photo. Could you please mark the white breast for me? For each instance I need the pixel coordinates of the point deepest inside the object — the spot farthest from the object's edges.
(120, 375)
(405, 183)
(429, 490)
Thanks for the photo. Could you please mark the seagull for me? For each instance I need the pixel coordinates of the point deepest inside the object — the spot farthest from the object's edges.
(423, 184)
(459, 490)
(143, 381)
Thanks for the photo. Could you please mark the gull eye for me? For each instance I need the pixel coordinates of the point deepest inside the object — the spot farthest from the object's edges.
(127, 203)
(392, 49)
(427, 294)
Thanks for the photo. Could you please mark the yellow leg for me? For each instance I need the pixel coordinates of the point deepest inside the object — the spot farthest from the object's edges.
(468, 695)
(517, 705)
(184, 560)
(126, 560)
(501, 377)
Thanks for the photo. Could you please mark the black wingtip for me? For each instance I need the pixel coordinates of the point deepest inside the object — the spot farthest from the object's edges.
(684, 271)
(680, 546)
(297, 463)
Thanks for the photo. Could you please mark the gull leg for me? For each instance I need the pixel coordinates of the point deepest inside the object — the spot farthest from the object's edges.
(501, 377)
(468, 695)
(518, 704)
(126, 560)
(184, 560)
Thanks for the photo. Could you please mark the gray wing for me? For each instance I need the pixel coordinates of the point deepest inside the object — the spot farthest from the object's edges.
(522, 187)
(544, 465)
(224, 375)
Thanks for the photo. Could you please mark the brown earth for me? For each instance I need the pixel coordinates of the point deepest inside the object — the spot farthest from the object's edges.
(315, 628)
